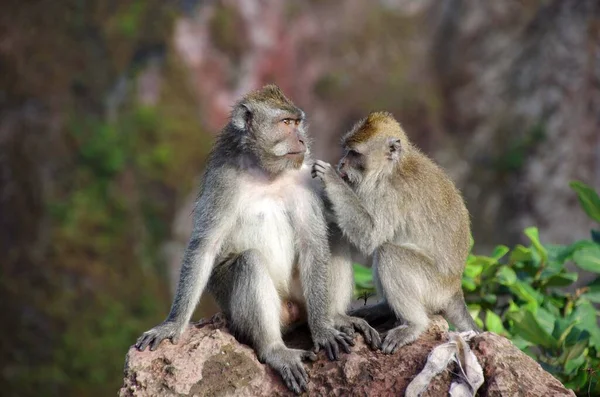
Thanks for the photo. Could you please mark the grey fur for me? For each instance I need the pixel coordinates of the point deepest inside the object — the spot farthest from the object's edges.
(258, 221)
(397, 206)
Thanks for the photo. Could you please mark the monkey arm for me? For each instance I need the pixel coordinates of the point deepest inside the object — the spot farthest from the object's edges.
(313, 258)
(210, 230)
(365, 230)
(198, 262)
(212, 222)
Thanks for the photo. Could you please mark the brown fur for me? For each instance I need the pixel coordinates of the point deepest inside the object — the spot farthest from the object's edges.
(402, 209)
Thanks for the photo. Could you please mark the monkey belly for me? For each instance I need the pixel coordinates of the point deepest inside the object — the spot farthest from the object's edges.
(264, 226)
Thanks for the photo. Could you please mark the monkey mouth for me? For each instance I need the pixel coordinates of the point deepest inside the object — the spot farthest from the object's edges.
(344, 176)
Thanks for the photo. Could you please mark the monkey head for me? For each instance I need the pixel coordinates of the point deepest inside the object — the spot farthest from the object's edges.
(372, 148)
(273, 129)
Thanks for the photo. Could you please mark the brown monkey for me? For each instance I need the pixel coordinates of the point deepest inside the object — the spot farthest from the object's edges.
(394, 203)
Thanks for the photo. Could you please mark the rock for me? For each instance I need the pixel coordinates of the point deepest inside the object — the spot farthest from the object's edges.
(208, 361)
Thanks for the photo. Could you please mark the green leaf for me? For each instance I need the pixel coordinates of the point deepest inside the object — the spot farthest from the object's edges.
(588, 258)
(526, 325)
(520, 254)
(593, 293)
(534, 236)
(562, 279)
(468, 284)
(493, 323)
(579, 382)
(562, 253)
(586, 315)
(499, 252)
(592, 296)
(574, 358)
(588, 199)
(363, 277)
(526, 292)
(473, 270)
(521, 343)
(490, 298)
(545, 319)
(562, 328)
(474, 309)
(506, 276)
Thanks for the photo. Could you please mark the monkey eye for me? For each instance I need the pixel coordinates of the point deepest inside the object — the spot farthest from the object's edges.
(353, 152)
(297, 122)
(286, 121)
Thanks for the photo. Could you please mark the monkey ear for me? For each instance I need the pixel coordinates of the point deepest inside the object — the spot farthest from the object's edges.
(394, 149)
(241, 116)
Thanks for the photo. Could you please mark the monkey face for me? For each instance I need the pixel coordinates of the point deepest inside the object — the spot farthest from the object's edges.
(373, 148)
(280, 141)
(371, 159)
(273, 128)
(352, 166)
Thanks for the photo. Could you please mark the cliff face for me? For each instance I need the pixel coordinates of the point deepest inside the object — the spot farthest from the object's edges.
(520, 89)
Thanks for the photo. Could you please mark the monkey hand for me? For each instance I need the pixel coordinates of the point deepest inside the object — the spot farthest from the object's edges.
(325, 171)
(330, 339)
(288, 362)
(167, 330)
(349, 324)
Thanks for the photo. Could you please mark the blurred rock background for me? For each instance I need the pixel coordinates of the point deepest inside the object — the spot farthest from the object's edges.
(108, 110)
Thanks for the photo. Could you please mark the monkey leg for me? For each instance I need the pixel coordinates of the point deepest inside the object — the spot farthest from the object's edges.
(403, 278)
(457, 313)
(246, 293)
(342, 290)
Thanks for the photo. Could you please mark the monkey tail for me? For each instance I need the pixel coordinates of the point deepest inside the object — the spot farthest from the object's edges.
(458, 314)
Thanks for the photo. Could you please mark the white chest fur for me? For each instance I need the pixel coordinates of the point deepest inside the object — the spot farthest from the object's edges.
(265, 216)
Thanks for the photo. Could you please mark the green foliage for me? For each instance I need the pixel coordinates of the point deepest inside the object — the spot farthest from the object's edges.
(588, 198)
(521, 294)
(113, 212)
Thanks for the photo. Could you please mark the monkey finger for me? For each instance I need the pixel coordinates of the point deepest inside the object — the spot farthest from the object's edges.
(349, 339)
(290, 381)
(367, 335)
(319, 169)
(384, 346)
(143, 342)
(375, 340)
(321, 163)
(299, 377)
(335, 349)
(389, 346)
(330, 354)
(155, 342)
(303, 372)
(308, 355)
(348, 331)
(344, 343)
(175, 339)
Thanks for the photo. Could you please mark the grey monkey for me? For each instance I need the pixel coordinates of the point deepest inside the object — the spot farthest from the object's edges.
(395, 204)
(260, 239)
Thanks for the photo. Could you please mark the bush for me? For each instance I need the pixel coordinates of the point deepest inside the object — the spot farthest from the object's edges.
(522, 294)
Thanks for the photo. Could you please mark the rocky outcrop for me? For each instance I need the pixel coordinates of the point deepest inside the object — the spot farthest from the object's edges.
(208, 361)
